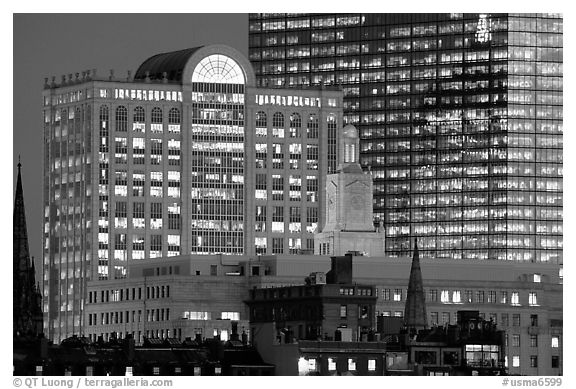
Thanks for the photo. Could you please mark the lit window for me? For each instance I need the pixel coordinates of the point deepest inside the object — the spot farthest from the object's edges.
(312, 364)
(331, 364)
(230, 315)
(351, 364)
(555, 342)
(532, 299)
(445, 296)
(371, 365)
(198, 315)
(456, 297)
(515, 299)
(224, 335)
(398, 295)
(516, 361)
(537, 278)
(343, 311)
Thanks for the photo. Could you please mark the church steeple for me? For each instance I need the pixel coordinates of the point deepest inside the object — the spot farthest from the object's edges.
(27, 311)
(21, 251)
(415, 309)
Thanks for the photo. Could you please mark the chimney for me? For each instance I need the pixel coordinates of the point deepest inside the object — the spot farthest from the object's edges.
(234, 335)
(130, 344)
(43, 348)
(340, 270)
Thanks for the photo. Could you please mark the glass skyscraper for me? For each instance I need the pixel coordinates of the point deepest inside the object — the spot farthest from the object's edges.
(460, 120)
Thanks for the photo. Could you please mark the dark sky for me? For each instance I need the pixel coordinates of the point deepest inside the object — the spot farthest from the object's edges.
(47, 45)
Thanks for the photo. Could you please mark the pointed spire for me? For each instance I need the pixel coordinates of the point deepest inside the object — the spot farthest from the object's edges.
(27, 311)
(415, 309)
(21, 251)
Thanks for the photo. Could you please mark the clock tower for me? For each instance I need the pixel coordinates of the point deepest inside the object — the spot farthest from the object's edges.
(348, 209)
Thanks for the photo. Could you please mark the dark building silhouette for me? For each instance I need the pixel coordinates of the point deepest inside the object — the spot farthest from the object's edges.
(78, 356)
(27, 310)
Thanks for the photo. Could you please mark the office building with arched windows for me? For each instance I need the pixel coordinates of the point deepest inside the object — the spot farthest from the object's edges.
(185, 156)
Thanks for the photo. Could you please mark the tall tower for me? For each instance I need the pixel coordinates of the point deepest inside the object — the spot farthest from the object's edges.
(186, 156)
(415, 308)
(27, 311)
(459, 116)
(348, 208)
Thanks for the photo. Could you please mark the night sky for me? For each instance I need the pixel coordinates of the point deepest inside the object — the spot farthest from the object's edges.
(47, 45)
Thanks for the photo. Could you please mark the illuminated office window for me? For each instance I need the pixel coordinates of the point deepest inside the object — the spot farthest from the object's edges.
(139, 120)
(295, 125)
(515, 298)
(174, 121)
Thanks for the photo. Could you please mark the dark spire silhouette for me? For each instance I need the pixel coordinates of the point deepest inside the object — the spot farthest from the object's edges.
(415, 308)
(27, 311)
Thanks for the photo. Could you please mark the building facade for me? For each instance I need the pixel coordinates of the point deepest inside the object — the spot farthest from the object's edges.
(187, 156)
(209, 293)
(460, 121)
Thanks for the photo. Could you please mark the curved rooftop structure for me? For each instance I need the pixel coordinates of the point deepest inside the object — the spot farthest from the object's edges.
(350, 131)
(209, 64)
(172, 63)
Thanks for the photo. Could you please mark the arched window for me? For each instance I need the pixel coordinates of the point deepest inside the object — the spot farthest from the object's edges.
(174, 116)
(295, 125)
(156, 115)
(312, 127)
(218, 68)
(331, 119)
(139, 116)
(261, 119)
(278, 120)
(121, 119)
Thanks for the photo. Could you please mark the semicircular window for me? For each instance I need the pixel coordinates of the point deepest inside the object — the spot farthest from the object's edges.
(219, 69)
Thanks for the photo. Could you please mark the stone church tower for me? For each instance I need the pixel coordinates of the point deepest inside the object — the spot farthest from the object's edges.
(348, 207)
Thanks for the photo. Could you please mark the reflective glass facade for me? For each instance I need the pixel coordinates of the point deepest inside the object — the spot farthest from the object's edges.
(460, 119)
